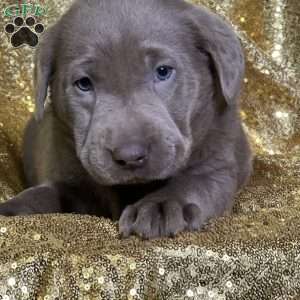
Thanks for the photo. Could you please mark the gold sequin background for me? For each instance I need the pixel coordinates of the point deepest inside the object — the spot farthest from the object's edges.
(254, 254)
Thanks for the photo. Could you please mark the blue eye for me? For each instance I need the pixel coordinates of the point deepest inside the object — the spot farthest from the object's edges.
(84, 84)
(164, 73)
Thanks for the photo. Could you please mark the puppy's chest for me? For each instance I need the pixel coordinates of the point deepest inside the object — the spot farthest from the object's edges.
(128, 194)
(111, 201)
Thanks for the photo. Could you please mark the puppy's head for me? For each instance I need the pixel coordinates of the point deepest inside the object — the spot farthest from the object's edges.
(137, 83)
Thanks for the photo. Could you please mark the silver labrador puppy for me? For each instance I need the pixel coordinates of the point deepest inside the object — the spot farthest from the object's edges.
(143, 125)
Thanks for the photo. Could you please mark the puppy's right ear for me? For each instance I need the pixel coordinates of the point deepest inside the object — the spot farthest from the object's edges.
(216, 37)
(44, 63)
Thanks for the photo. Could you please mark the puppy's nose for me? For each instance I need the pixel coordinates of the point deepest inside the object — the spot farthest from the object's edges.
(131, 155)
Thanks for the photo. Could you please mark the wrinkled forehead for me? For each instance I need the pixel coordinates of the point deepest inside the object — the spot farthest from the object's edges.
(121, 30)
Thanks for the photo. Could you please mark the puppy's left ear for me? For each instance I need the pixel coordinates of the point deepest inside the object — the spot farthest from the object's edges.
(44, 62)
(217, 38)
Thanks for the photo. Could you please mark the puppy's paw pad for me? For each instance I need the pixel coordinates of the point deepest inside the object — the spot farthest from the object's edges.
(10, 28)
(39, 28)
(24, 32)
(30, 21)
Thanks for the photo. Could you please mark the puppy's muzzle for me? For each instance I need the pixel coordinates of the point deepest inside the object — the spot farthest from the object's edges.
(132, 155)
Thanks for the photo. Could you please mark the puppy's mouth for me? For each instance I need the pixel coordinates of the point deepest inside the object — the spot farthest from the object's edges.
(108, 172)
(136, 163)
(127, 176)
(134, 180)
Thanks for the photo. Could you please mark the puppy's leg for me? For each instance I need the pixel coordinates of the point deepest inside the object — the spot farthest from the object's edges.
(186, 203)
(39, 199)
(64, 197)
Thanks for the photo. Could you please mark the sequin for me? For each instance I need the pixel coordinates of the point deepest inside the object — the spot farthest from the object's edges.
(101, 280)
(229, 284)
(275, 54)
(211, 294)
(11, 281)
(190, 293)
(226, 257)
(37, 237)
(3, 229)
(161, 271)
(281, 115)
(200, 290)
(14, 265)
(87, 272)
(209, 253)
(133, 292)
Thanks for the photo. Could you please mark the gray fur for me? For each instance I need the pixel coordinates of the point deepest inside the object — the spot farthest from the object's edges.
(195, 155)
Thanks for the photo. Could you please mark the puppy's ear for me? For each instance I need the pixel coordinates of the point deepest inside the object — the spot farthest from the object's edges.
(216, 37)
(44, 62)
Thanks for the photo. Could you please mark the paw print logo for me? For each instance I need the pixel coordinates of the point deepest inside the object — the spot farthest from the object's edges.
(24, 32)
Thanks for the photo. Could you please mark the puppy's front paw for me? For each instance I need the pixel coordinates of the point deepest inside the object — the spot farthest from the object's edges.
(149, 219)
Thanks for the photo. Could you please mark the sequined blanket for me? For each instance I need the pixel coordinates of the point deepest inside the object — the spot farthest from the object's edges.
(253, 254)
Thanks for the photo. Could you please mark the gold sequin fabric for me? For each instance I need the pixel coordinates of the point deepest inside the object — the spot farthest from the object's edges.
(252, 254)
